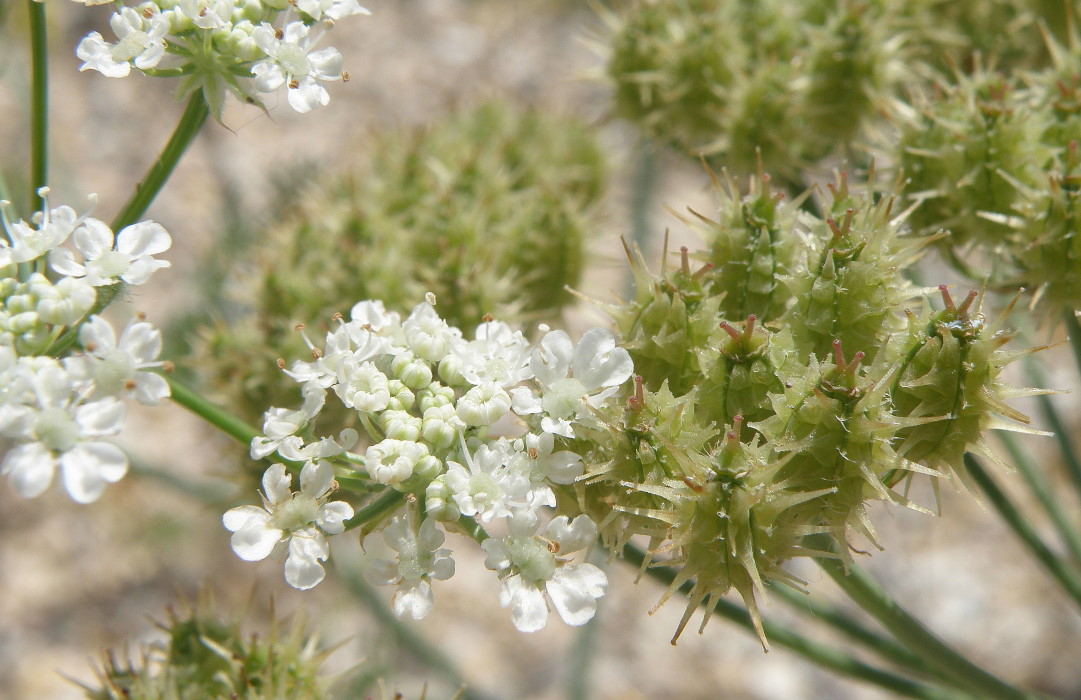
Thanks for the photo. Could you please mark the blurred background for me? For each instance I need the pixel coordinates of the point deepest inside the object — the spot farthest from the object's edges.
(77, 580)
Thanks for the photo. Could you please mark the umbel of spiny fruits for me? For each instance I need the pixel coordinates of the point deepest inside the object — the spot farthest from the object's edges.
(465, 208)
(730, 80)
(481, 435)
(728, 499)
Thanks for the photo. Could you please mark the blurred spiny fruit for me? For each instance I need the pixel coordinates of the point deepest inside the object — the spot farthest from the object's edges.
(994, 159)
(729, 80)
(488, 209)
(206, 656)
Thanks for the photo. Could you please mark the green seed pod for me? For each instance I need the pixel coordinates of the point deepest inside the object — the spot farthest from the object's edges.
(732, 524)
(849, 284)
(964, 151)
(750, 244)
(671, 317)
(834, 425)
(946, 390)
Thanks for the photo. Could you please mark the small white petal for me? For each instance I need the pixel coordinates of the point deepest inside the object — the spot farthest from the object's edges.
(529, 612)
(277, 483)
(413, 599)
(302, 568)
(574, 590)
(88, 466)
(31, 467)
(332, 517)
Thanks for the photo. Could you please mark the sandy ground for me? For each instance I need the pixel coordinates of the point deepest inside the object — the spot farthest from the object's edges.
(78, 580)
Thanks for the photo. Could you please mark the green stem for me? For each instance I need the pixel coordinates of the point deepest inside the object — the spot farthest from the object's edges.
(211, 413)
(906, 629)
(1019, 523)
(885, 647)
(643, 187)
(1063, 435)
(207, 494)
(1044, 494)
(191, 121)
(39, 103)
(377, 509)
(425, 652)
(821, 654)
(1073, 328)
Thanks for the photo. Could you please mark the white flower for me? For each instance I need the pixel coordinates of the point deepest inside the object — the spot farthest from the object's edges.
(362, 386)
(484, 404)
(116, 366)
(289, 63)
(393, 461)
(61, 431)
(332, 9)
(140, 41)
(52, 227)
(131, 260)
(420, 559)
(530, 568)
(542, 463)
(427, 335)
(281, 425)
(207, 14)
(573, 378)
(492, 485)
(302, 519)
(498, 354)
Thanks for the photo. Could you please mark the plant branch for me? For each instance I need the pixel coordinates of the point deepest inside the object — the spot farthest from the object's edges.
(824, 655)
(906, 629)
(39, 102)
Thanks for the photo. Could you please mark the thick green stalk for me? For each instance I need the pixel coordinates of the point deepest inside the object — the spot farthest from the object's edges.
(906, 629)
(211, 413)
(191, 121)
(885, 647)
(824, 655)
(1044, 494)
(39, 103)
(1067, 576)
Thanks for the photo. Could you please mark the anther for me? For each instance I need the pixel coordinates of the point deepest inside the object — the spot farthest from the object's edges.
(280, 362)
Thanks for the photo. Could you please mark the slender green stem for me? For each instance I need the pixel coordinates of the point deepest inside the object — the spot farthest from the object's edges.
(1067, 577)
(906, 629)
(824, 655)
(423, 650)
(1044, 494)
(1073, 328)
(643, 187)
(1063, 435)
(885, 647)
(377, 509)
(191, 121)
(210, 412)
(39, 102)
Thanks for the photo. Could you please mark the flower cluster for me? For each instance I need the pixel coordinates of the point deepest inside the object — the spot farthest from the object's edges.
(474, 434)
(57, 412)
(246, 47)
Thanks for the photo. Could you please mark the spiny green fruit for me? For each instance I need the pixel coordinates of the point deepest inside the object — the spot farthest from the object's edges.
(732, 523)
(849, 283)
(833, 423)
(750, 244)
(488, 209)
(671, 316)
(947, 389)
(963, 150)
(205, 656)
